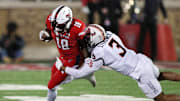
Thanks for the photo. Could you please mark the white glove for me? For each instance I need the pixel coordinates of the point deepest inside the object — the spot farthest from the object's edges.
(59, 64)
(43, 33)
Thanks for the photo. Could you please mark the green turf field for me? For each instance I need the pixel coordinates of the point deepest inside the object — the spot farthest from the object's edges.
(108, 83)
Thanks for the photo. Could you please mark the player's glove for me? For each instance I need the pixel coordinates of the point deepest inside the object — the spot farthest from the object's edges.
(44, 36)
(59, 65)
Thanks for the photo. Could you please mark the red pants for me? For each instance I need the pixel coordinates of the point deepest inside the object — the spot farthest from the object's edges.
(56, 76)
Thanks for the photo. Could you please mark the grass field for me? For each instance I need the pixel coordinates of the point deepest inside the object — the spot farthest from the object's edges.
(108, 83)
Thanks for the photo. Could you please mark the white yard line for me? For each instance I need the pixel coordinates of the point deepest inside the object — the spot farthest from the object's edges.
(23, 87)
(63, 98)
(79, 98)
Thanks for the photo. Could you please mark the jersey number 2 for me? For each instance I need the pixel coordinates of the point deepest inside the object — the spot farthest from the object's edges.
(117, 46)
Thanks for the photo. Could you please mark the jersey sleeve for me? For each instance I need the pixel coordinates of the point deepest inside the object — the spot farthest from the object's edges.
(80, 26)
(81, 29)
(48, 23)
(90, 65)
(48, 27)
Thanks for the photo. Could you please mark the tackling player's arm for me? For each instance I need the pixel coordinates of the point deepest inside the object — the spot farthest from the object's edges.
(90, 65)
(87, 68)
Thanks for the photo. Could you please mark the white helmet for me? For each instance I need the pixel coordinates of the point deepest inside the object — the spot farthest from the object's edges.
(61, 18)
(96, 34)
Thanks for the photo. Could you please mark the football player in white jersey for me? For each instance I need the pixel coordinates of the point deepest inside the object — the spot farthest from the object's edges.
(108, 50)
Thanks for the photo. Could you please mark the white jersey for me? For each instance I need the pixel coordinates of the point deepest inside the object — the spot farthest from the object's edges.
(115, 55)
(111, 53)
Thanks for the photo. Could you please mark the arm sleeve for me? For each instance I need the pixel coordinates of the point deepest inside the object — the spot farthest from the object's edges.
(88, 67)
(48, 27)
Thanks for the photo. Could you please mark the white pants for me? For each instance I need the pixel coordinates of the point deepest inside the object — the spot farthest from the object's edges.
(146, 74)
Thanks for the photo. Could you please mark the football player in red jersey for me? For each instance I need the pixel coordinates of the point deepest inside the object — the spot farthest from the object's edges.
(66, 32)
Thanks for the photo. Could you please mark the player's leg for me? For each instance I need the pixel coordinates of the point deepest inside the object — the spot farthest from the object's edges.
(150, 85)
(163, 97)
(152, 89)
(147, 80)
(52, 93)
(56, 78)
(169, 76)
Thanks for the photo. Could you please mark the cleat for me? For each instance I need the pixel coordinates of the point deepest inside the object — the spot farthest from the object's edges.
(92, 79)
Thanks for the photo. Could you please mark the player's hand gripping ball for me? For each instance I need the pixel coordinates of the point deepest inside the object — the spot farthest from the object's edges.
(43, 35)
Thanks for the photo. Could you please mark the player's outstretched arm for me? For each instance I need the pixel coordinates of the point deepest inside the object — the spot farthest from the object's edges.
(87, 68)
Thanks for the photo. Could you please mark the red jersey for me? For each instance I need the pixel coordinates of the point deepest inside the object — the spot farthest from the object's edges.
(67, 43)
